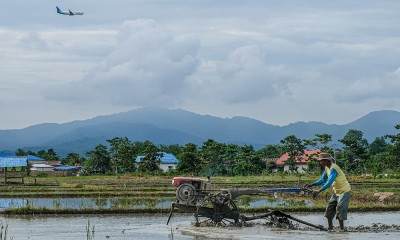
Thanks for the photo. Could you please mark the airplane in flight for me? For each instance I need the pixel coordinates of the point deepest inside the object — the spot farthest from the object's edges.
(70, 13)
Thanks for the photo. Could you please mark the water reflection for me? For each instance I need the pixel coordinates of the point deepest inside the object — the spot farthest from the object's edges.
(133, 202)
(255, 202)
(86, 203)
(153, 226)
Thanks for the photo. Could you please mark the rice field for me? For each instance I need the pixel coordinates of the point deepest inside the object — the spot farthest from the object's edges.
(123, 194)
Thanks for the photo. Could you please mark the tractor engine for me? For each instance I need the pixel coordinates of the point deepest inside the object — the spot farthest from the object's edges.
(189, 190)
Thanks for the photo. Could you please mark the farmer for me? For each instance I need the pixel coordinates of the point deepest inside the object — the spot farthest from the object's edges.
(339, 202)
(208, 184)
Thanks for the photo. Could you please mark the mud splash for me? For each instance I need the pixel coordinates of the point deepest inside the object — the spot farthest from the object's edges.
(375, 227)
(262, 231)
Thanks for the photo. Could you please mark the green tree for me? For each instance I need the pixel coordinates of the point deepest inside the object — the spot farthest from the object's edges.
(271, 151)
(377, 146)
(378, 163)
(151, 161)
(189, 162)
(72, 159)
(174, 149)
(394, 160)
(378, 156)
(30, 152)
(269, 154)
(211, 154)
(98, 160)
(248, 162)
(49, 155)
(355, 151)
(20, 152)
(295, 149)
(122, 153)
(324, 140)
(141, 147)
(230, 156)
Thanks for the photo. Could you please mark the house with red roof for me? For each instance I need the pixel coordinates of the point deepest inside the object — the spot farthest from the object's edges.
(301, 164)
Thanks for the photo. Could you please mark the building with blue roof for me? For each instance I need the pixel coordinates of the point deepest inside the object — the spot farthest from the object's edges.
(10, 164)
(30, 157)
(13, 166)
(167, 161)
(69, 170)
(34, 158)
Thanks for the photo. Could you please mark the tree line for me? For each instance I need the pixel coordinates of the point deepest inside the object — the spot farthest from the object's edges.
(354, 155)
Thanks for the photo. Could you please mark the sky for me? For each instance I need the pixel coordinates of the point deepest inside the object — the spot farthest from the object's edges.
(277, 61)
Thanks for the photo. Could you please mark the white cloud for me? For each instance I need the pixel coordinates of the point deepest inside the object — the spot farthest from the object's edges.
(385, 87)
(247, 77)
(147, 67)
(32, 41)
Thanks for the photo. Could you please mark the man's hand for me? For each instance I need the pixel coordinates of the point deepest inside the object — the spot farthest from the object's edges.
(315, 193)
(308, 185)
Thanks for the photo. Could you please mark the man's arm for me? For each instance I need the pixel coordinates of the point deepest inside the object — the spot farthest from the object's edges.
(331, 179)
(320, 181)
(328, 183)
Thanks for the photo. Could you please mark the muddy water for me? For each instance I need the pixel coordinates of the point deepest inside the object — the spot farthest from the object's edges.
(153, 227)
(126, 202)
(384, 225)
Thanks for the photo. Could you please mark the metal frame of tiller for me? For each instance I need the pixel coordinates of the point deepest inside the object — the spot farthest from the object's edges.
(220, 209)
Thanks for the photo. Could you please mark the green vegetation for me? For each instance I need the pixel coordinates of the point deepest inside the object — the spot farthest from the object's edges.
(355, 156)
(372, 169)
(145, 190)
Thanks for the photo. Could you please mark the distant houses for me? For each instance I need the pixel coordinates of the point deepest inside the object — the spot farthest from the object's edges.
(9, 162)
(14, 166)
(39, 166)
(300, 165)
(167, 161)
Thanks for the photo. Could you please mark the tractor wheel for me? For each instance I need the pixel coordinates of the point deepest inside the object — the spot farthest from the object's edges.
(216, 211)
(186, 194)
(223, 195)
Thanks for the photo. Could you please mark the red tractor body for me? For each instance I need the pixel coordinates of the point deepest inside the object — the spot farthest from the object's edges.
(196, 182)
(189, 190)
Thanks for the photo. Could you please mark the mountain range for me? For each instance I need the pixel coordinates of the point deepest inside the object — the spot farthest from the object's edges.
(176, 126)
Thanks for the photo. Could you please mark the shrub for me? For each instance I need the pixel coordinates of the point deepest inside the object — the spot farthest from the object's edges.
(42, 175)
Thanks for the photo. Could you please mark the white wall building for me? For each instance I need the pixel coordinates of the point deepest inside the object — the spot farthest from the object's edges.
(167, 162)
(40, 167)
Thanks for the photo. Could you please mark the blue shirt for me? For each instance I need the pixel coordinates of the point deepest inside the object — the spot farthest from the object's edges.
(328, 181)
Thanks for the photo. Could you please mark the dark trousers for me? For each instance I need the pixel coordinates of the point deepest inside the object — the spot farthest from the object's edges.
(338, 205)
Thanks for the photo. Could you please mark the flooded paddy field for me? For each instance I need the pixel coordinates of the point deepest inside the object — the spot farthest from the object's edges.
(79, 203)
(162, 203)
(36, 210)
(372, 225)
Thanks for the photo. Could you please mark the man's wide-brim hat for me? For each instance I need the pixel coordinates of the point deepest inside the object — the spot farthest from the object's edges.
(324, 156)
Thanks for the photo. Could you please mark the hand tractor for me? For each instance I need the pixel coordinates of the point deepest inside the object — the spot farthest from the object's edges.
(194, 195)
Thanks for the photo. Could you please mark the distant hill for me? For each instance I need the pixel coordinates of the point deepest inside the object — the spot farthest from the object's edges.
(166, 126)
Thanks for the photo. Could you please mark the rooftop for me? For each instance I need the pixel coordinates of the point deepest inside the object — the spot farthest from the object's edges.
(303, 159)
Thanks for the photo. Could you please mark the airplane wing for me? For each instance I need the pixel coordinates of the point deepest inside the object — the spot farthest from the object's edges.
(70, 13)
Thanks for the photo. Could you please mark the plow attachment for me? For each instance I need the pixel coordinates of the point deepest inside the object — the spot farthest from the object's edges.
(278, 218)
(210, 210)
